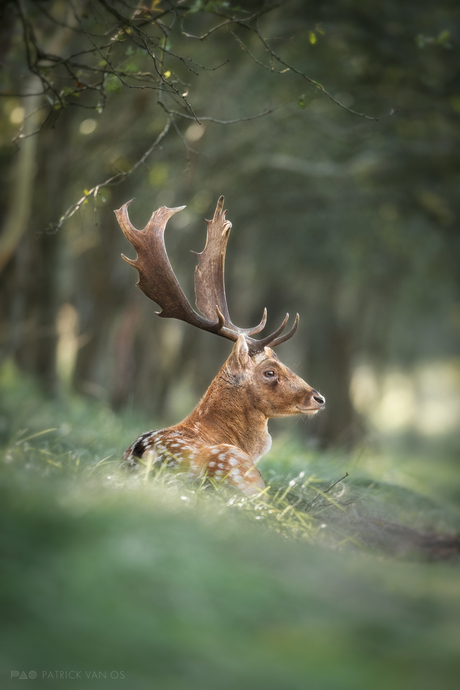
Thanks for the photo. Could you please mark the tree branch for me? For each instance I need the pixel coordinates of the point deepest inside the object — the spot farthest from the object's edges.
(316, 84)
(109, 182)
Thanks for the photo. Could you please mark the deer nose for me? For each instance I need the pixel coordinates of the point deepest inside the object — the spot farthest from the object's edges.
(320, 399)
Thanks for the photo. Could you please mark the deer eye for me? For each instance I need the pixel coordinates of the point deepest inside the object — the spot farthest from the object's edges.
(269, 374)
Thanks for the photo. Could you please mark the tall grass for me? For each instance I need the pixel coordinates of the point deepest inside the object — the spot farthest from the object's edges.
(157, 581)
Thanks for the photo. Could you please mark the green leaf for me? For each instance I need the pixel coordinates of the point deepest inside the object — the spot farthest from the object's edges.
(113, 85)
(196, 7)
(444, 39)
(302, 103)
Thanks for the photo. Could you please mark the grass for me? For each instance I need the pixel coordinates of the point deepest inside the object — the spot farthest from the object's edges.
(115, 581)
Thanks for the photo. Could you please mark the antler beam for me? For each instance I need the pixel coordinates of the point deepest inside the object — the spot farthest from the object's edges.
(157, 279)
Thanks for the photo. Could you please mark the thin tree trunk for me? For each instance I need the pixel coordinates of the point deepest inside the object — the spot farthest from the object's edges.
(22, 183)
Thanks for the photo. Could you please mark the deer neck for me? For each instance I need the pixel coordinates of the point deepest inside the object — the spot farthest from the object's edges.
(226, 414)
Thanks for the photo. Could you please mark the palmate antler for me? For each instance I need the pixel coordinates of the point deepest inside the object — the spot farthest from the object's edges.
(158, 281)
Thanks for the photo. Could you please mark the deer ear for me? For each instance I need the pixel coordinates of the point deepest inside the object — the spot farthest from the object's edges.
(240, 352)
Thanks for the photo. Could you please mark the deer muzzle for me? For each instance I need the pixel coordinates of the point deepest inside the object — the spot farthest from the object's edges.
(313, 402)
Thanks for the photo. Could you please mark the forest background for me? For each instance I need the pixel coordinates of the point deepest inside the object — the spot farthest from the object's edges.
(339, 163)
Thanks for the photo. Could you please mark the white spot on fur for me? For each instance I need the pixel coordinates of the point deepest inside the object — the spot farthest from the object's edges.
(211, 464)
(233, 462)
(214, 451)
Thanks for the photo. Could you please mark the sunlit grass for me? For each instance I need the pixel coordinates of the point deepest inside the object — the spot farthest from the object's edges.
(184, 583)
(310, 495)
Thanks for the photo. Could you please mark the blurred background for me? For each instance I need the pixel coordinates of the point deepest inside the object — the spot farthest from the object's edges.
(349, 219)
(332, 129)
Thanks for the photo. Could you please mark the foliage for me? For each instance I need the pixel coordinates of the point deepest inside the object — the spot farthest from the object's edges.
(116, 47)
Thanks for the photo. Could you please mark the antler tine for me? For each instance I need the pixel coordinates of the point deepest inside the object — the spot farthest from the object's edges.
(274, 338)
(259, 327)
(218, 212)
(128, 228)
(286, 336)
(233, 334)
(260, 344)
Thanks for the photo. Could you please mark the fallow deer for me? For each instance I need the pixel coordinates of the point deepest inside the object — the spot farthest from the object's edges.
(226, 434)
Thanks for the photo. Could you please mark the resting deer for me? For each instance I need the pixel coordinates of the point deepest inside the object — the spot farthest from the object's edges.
(226, 433)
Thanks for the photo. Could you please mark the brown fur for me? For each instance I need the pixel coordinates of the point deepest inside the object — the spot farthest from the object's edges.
(226, 434)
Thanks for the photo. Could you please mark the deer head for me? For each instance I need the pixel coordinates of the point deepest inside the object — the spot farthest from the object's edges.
(269, 385)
